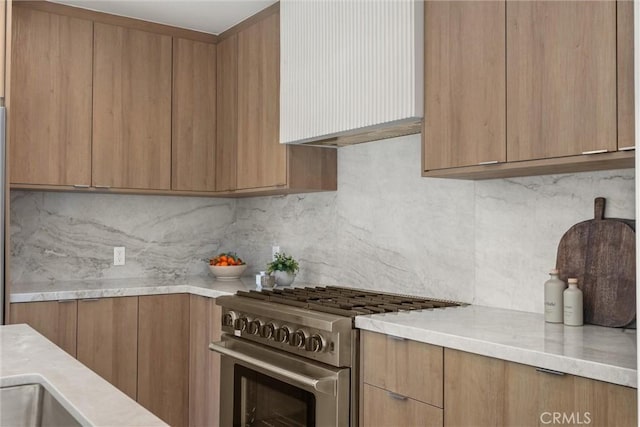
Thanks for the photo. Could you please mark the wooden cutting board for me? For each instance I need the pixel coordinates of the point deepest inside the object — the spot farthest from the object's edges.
(601, 253)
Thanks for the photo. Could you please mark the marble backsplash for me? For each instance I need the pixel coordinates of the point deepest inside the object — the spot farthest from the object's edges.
(485, 242)
(71, 236)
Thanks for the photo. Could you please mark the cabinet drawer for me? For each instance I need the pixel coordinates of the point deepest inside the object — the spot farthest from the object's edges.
(384, 409)
(405, 367)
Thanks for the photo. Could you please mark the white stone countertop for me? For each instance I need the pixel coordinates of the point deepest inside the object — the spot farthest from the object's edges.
(27, 357)
(606, 354)
(80, 289)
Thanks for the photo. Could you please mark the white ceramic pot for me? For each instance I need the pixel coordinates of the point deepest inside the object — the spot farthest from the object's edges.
(284, 278)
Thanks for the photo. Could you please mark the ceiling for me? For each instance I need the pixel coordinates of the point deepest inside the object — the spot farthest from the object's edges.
(209, 16)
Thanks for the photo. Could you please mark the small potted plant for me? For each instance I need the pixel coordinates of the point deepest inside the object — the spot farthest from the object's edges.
(283, 268)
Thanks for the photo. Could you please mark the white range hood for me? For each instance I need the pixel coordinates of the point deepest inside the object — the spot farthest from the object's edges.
(350, 70)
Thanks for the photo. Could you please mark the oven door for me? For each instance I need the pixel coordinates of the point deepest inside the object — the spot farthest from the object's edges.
(260, 386)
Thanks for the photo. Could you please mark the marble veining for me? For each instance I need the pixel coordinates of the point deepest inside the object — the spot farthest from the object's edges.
(28, 356)
(386, 228)
(604, 354)
(69, 236)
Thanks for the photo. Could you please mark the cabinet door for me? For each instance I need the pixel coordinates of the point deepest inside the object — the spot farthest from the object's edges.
(465, 101)
(405, 367)
(481, 390)
(50, 132)
(194, 116)
(131, 108)
(261, 158)
(561, 74)
(227, 113)
(204, 364)
(163, 356)
(56, 320)
(385, 409)
(108, 340)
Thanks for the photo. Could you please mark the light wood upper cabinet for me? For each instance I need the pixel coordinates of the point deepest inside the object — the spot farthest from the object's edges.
(481, 390)
(561, 74)
(163, 356)
(51, 104)
(465, 117)
(521, 88)
(194, 116)
(56, 320)
(131, 108)
(261, 158)
(108, 340)
(227, 113)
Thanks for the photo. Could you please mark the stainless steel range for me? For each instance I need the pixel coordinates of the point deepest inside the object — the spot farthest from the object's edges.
(290, 356)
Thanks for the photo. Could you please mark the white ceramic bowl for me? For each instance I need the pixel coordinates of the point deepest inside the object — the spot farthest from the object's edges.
(228, 272)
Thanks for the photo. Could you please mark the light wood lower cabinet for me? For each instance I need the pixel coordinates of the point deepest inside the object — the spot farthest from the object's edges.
(401, 382)
(204, 364)
(163, 356)
(56, 320)
(154, 348)
(483, 391)
(108, 340)
(383, 408)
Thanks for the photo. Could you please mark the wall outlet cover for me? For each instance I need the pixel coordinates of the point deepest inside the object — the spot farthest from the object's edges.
(118, 255)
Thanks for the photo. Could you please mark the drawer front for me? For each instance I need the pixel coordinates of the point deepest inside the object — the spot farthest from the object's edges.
(384, 409)
(405, 367)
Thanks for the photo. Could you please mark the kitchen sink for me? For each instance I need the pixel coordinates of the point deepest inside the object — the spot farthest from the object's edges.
(31, 405)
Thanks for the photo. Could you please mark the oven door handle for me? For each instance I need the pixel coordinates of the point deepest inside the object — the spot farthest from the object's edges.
(325, 385)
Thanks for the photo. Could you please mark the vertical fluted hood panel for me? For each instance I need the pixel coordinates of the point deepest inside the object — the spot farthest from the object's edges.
(350, 67)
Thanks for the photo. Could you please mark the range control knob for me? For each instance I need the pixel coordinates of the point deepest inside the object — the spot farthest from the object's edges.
(299, 338)
(315, 343)
(254, 327)
(268, 330)
(229, 318)
(241, 323)
(282, 334)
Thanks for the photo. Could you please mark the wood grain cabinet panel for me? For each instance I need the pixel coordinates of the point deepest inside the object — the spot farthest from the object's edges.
(404, 367)
(163, 356)
(50, 132)
(204, 364)
(465, 117)
(384, 409)
(131, 108)
(56, 320)
(561, 76)
(3, 45)
(194, 116)
(227, 113)
(108, 340)
(261, 160)
(482, 391)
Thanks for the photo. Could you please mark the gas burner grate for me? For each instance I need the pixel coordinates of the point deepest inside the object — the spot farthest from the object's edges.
(347, 302)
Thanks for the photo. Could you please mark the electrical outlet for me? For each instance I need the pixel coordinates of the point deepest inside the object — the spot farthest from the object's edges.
(118, 255)
(274, 251)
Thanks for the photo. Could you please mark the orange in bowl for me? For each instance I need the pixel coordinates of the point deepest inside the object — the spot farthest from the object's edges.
(227, 266)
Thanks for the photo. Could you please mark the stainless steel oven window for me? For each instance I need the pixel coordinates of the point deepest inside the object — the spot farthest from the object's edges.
(329, 386)
(260, 400)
